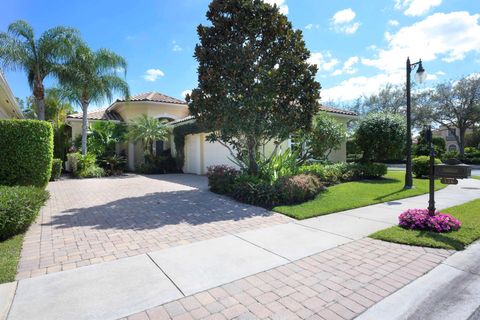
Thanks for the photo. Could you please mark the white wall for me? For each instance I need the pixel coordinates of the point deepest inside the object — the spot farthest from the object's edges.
(216, 154)
(193, 154)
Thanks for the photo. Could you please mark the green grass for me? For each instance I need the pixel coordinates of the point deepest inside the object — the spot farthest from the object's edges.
(9, 256)
(468, 214)
(476, 177)
(357, 194)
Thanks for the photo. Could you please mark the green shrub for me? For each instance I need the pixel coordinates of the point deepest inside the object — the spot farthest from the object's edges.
(84, 166)
(451, 155)
(381, 136)
(19, 206)
(26, 148)
(421, 166)
(255, 191)
(282, 164)
(56, 169)
(221, 178)
(299, 188)
(72, 160)
(91, 172)
(369, 170)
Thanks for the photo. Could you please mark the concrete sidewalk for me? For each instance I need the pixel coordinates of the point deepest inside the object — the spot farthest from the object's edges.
(119, 288)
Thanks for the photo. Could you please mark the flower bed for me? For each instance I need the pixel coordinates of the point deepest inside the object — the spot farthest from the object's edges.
(420, 219)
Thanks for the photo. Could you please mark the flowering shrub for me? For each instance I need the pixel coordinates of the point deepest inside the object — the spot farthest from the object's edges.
(420, 219)
(298, 188)
(221, 178)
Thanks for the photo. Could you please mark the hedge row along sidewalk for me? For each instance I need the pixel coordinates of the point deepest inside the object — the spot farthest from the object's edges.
(357, 194)
(27, 154)
(468, 214)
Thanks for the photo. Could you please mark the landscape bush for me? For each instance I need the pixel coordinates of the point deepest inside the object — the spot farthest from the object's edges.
(84, 166)
(56, 169)
(221, 178)
(19, 206)
(299, 188)
(26, 150)
(420, 219)
(282, 164)
(252, 190)
(421, 166)
(342, 171)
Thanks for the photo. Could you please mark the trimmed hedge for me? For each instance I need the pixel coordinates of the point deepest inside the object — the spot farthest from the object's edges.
(421, 166)
(56, 169)
(27, 152)
(19, 206)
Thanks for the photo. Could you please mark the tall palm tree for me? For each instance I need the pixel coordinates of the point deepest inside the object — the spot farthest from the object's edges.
(19, 50)
(91, 76)
(148, 130)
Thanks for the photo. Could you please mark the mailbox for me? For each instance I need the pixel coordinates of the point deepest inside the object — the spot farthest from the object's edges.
(455, 171)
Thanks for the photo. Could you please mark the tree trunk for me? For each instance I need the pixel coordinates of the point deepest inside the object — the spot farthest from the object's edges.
(39, 94)
(461, 141)
(84, 127)
(252, 157)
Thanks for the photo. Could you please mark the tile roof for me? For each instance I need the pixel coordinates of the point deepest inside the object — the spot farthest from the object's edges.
(154, 97)
(174, 122)
(100, 114)
(338, 111)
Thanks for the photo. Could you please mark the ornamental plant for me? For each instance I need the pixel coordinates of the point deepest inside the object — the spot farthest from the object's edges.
(420, 219)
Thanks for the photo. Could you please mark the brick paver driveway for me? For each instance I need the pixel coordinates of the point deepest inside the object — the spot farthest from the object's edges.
(95, 220)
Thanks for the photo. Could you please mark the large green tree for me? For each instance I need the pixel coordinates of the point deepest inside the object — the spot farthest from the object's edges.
(92, 76)
(254, 82)
(56, 108)
(39, 58)
(457, 105)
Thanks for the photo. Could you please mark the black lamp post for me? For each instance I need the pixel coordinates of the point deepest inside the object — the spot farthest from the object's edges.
(431, 193)
(420, 76)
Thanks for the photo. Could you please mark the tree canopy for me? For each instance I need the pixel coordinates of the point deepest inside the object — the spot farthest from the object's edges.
(38, 57)
(254, 82)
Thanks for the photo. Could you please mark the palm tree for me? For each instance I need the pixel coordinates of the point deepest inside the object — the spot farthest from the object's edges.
(19, 50)
(91, 76)
(148, 130)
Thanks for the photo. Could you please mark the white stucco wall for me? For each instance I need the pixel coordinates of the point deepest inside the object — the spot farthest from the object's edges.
(193, 157)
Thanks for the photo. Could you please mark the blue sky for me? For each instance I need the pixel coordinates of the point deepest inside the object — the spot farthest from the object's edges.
(359, 46)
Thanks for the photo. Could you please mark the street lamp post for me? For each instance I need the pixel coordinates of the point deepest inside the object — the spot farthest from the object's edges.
(420, 76)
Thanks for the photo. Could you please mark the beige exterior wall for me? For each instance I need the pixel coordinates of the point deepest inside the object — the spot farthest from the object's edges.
(9, 108)
(450, 141)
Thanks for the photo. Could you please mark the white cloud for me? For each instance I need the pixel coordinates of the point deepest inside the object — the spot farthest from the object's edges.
(311, 26)
(343, 16)
(356, 87)
(348, 67)
(416, 7)
(323, 60)
(393, 23)
(153, 74)
(449, 36)
(342, 21)
(185, 92)
(280, 4)
(176, 47)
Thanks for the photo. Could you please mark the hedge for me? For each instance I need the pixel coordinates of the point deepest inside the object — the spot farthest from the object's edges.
(27, 152)
(19, 206)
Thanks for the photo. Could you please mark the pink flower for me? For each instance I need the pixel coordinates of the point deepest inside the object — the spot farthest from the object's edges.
(420, 219)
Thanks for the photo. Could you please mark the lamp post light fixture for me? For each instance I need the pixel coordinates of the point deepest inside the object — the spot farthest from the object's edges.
(420, 76)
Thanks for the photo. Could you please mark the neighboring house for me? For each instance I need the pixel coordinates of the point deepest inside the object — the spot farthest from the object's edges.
(449, 136)
(199, 153)
(9, 108)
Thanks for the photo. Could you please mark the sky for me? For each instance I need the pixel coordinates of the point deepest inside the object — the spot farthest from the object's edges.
(358, 45)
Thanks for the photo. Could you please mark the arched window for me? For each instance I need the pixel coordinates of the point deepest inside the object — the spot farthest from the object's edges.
(452, 147)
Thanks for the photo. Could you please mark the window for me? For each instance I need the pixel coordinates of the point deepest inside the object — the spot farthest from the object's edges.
(451, 132)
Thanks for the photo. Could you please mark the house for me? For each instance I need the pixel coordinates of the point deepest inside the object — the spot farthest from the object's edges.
(9, 108)
(198, 152)
(449, 135)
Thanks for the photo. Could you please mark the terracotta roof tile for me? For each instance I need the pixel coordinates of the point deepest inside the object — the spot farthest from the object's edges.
(100, 114)
(155, 97)
(338, 111)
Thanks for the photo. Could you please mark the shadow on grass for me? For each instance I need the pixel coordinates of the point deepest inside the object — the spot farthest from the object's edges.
(439, 237)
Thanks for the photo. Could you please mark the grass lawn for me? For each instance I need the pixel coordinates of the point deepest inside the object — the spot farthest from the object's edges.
(357, 194)
(476, 177)
(9, 256)
(468, 213)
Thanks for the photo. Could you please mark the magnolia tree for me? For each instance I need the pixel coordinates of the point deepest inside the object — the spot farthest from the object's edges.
(254, 82)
